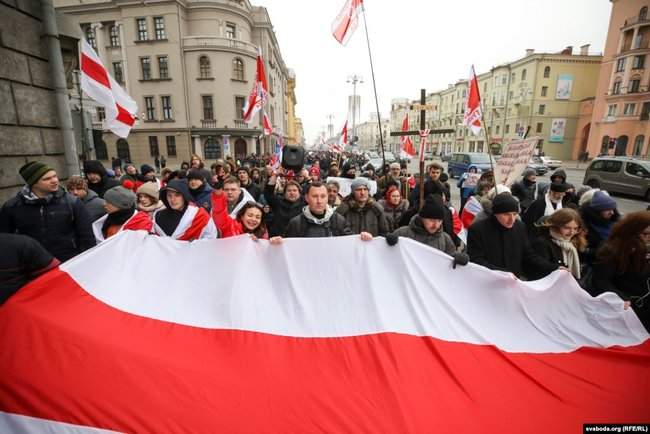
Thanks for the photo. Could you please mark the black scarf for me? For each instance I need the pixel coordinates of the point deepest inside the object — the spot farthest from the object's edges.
(168, 219)
(117, 218)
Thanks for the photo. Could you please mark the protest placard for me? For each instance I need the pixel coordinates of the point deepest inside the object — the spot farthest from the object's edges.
(514, 160)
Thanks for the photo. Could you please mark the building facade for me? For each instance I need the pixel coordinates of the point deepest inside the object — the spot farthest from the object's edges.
(190, 65)
(621, 110)
(539, 93)
(368, 133)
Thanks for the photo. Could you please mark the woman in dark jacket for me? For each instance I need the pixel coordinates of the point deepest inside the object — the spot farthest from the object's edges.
(599, 215)
(561, 242)
(394, 206)
(623, 264)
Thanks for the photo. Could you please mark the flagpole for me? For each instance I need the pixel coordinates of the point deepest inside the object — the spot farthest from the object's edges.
(374, 86)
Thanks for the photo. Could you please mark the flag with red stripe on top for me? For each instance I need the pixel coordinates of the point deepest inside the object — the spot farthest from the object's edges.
(259, 93)
(372, 339)
(121, 110)
(347, 21)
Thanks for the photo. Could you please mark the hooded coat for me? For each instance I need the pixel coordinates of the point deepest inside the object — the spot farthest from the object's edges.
(306, 225)
(497, 248)
(593, 223)
(105, 184)
(415, 231)
(283, 210)
(94, 205)
(178, 224)
(369, 218)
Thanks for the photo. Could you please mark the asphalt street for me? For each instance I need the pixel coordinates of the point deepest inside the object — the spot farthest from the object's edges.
(575, 176)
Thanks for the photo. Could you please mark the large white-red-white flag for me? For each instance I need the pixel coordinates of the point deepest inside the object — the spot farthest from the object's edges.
(347, 21)
(259, 93)
(407, 149)
(121, 110)
(98, 346)
(473, 118)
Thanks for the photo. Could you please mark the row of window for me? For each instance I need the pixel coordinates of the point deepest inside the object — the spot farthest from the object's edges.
(207, 104)
(154, 150)
(165, 104)
(238, 71)
(629, 109)
(142, 33)
(638, 62)
(163, 68)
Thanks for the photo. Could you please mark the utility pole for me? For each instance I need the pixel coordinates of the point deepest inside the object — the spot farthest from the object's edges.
(82, 118)
(330, 125)
(354, 79)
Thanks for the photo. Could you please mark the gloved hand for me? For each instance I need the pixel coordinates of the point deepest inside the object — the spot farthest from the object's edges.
(391, 239)
(459, 259)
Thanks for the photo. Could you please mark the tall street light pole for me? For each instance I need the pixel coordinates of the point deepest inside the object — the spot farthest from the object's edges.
(354, 79)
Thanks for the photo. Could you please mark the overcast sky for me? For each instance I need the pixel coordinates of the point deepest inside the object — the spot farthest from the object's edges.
(419, 43)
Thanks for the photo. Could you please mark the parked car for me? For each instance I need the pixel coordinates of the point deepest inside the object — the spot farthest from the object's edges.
(390, 157)
(620, 175)
(551, 163)
(460, 162)
(446, 157)
(537, 166)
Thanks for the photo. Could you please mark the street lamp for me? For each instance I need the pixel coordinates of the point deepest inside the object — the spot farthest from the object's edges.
(354, 79)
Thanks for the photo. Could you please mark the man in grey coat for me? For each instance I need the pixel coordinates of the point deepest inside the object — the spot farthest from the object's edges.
(93, 204)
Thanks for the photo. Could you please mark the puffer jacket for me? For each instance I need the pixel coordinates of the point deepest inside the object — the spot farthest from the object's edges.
(94, 205)
(415, 231)
(95, 166)
(59, 222)
(369, 219)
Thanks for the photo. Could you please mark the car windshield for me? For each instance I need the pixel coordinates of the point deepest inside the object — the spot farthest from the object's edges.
(645, 164)
(481, 159)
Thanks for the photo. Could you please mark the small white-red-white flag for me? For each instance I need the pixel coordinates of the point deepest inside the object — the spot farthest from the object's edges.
(266, 122)
(98, 84)
(407, 150)
(347, 21)
(473, 115)
(343, 140)
(259, 93)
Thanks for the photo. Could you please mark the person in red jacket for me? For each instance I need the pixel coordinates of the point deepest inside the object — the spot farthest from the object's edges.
(249, 220)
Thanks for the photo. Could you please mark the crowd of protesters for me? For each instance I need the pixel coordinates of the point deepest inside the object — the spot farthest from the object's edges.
(528, 230)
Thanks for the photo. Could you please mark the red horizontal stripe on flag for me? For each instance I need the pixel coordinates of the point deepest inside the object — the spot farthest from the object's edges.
(75, 359)
(94, 70)
(124, 116)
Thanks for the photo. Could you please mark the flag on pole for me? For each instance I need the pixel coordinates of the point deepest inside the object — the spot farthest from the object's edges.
(259, 93)
(266, 122)
(97, 83)
(226, 145)
(347, 21)
(407, 149)
(424, 135)
(343, 140)
(176, 350)
(473, 115)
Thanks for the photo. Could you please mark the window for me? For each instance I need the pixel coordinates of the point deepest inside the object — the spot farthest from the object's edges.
(212, 149)
(542, 109)
(598, 165)
(166, 103)
(118, 73)
(544, 90)
(637, 169)
(613, 166)
(540, 127)
(620, 65)
(485, 87)
(163, 67)
(238, 69)
(90, 37)
(208, 108)
(100, 146)
(643, 13)
(498, 129)
(145, 65)
(150, 108)
(101, 114)
(611, 110)
(153, 146)
(616, 89)
(523, 75)
(240, 101)
(159, 27)
(634, 86)
(123, 152)
(204, 67)
(629, 109)
(512, 77)
(547, 72)
(507, 129)
(115, 36)
(171, 146)
(141, 24)
(638, 62)
(231, 31)
(645, 111)
(638, 146)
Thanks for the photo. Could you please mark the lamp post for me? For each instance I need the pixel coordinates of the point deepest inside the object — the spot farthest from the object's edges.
(354, 79)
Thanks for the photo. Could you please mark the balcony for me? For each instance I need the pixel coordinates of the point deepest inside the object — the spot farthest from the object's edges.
(237, 124)
(635, 20)
(212, 42)
(208, 123)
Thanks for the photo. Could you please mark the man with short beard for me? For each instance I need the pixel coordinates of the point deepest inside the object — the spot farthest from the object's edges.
(284, 207)
(98, 180)
(362, 212)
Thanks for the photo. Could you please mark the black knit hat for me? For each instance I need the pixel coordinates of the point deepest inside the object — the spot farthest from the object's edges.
(503, 203)
(195, 174)
(33, 171)
(433, 209)
(559, 187)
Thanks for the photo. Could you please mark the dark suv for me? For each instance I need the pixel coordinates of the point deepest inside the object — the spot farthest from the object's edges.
(620, 175)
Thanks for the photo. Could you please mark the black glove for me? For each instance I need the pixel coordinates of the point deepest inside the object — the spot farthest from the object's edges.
(392, 239)
(459, 259)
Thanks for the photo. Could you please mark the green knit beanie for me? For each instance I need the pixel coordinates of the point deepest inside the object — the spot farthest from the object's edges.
(33, 171)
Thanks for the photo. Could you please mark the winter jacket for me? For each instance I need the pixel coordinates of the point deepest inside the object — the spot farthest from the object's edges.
(22, 260)
(254, 190)
(447, 222)
(228, 226)
(283, 210)
(384, 182)
(415, 231)
(202, 197)
(105, 184)
(369, 219)
(394, 214)
(59, 222)
(533, 214)
(526, 192)
(495, 247)
(592, 221)
(548, 250)
(94, 205)
(303, 227)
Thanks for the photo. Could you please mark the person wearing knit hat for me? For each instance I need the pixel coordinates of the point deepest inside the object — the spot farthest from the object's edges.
(44, 211)
(98, 180)
(527, 190)
(199, 189)
(599, 215)
(148, 195)
(93, 204)
(147, 172)
(543, 207)
(314, 174)
(362, 212)
(121, 214)
(244, 176)
(501, 241)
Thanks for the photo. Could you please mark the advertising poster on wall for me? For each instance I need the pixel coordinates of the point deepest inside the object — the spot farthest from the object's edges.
(564, 86)
(557, 130)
